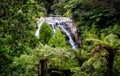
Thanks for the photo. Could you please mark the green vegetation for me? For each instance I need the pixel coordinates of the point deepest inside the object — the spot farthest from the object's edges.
(58, 39)
(23, 54)
(45, 33)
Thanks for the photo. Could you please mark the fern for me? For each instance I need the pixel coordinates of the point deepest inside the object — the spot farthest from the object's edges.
(109, 40)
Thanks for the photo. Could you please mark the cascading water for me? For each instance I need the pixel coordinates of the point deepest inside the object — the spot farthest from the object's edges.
(61, 26)
(72, 43)
(53, 27)
(37, 33)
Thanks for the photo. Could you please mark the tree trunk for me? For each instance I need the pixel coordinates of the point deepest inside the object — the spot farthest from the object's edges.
(43, 68)
(38, 69)
(110, 61)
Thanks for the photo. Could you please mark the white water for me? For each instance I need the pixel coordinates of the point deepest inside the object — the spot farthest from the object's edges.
(72, 43)
(53, 25)
(37, 33)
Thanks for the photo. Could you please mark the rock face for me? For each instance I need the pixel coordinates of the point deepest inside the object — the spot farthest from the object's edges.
(67, 23)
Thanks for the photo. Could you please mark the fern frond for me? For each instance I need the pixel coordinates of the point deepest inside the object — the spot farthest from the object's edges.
(97, 41)
(102, 37)
(112, 41)
(92, 36)
(108, 37)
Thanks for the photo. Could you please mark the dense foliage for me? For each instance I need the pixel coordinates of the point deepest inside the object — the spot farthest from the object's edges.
(23, 54)
(17, 27)
(45, 33)
(58, 39)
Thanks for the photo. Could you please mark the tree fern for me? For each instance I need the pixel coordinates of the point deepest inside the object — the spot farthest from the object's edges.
(109, 40)
(109, 43)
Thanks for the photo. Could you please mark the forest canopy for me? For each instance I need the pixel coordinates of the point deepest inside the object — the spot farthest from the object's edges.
(23, 54)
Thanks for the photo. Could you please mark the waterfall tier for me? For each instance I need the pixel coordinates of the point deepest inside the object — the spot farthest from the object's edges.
(66, 25)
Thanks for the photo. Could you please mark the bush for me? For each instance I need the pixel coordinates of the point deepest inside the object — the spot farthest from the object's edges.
(45, 33)
(58, 39)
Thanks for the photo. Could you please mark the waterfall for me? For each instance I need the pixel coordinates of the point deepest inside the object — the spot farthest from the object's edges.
(61, 25)
(37, 33)
(71, 41)
(53, 27)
